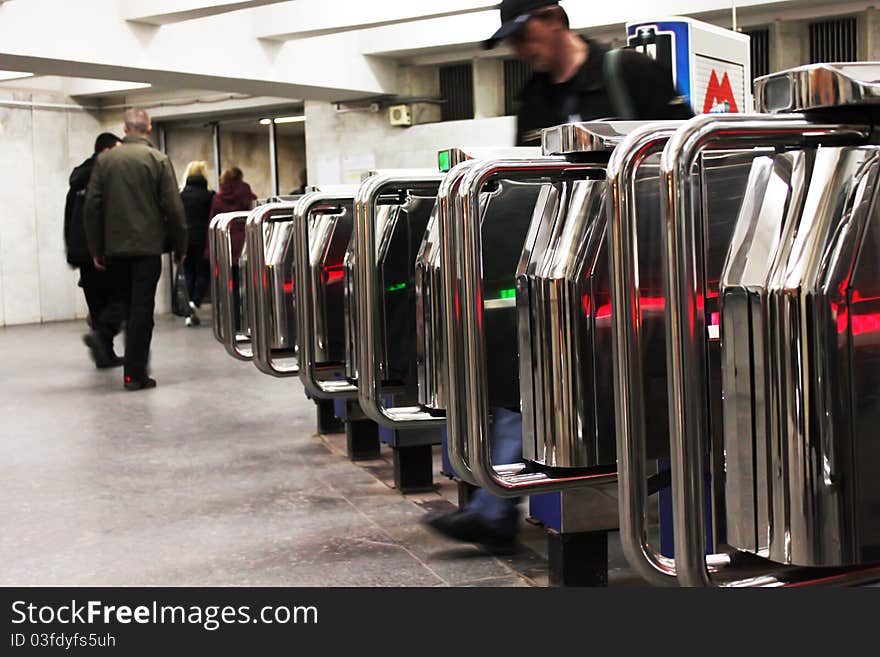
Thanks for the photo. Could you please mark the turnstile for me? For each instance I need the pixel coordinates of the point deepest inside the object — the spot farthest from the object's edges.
(392, 214)
(490, 252)
(323, 224)
(772, 368)
(228, 272)
(270, 291)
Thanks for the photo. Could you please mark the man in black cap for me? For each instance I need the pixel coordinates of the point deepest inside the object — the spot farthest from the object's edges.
(105, 319)
(575, 79)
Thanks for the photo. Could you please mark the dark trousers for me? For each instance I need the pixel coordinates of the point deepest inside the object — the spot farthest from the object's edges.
(105, 311)
(197, 272)
(135, 279)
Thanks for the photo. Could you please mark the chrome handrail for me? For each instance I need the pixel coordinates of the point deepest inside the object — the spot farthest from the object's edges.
(685, 320)
(222, 257)
(449, 203)
(629, 383)
(213, 255)
(468, 410)
(368, 299)
(258, 288)
(314, 202)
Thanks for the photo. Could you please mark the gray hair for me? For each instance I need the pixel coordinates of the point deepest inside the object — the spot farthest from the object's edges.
(137, 120)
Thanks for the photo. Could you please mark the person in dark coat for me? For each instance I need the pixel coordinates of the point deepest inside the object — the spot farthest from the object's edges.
(132, 210)
(234, 195)
(197, 199)
(96, 285)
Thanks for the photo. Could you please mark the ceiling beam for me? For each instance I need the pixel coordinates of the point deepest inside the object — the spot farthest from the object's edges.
(460, 33)
(165, 12)
(328, 68)
(311, 18)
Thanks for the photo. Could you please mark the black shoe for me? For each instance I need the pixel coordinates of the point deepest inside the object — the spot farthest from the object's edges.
(471, 527)
(101, 353)
(139, 384)
(115, 361)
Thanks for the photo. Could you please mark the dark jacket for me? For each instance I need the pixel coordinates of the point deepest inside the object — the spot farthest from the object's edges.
(231, 197)
(133, 203)
(75, 242)
(197, 200)
(589, 95)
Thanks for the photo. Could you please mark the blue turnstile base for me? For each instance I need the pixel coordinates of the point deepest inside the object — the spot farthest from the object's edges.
(547, 510)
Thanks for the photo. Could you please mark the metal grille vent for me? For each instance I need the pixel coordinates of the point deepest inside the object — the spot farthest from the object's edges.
(457, 87)
(834, 41)
(516, 74)
(760, 45)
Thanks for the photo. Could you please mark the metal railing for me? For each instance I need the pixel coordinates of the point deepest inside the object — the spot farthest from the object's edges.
(262, 306)
(320, 380)
(461, 263)
(226, 305)
(369, 299)
(685, 295)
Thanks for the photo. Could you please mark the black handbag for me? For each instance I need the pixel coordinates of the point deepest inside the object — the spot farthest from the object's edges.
(180, 299)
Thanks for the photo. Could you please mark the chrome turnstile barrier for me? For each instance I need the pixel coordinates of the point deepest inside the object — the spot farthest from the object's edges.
(685, 285)
(372, 292)
(462, 265)
(431, 313)
(271, 292)
(214, 264)
(323, 222)
(430, 306)
(429, 296)
(228, 309)
(631, 424)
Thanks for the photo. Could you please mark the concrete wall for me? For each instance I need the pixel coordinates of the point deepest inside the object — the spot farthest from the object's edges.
(39, 149)
(247, 150)
(185, 145)
(342, 145)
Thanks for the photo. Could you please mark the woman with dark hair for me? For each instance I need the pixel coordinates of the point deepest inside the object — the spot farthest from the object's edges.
(197, 199)
(234, 194)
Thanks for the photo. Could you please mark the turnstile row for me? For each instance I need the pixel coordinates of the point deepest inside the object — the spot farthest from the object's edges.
(703, 292)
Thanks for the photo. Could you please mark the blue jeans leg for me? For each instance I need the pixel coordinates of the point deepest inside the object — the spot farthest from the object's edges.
(506, 441)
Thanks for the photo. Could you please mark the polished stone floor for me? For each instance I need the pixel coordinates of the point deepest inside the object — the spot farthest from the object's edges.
(214, 478)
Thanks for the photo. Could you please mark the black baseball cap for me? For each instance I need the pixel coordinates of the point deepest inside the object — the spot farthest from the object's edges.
(514, 14)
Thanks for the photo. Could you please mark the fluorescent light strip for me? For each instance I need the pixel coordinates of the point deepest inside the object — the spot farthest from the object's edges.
(14, 75)
(283, 119)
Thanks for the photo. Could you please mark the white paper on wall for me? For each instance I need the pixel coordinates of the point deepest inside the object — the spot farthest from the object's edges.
(355, 166)
(328, 171)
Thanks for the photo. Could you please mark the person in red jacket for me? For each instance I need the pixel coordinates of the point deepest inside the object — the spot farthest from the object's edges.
(234, 194)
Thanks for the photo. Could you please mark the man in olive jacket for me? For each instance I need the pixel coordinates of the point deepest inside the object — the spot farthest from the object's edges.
(132, 206)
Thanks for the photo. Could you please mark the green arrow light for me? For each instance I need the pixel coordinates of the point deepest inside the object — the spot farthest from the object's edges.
(443, 161)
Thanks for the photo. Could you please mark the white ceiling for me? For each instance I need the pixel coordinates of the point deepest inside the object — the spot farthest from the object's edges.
(261, 53)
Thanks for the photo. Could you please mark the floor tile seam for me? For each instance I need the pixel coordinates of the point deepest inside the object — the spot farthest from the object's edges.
(508, 568)
(381, 529)
(394, 541)
(517, 573)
